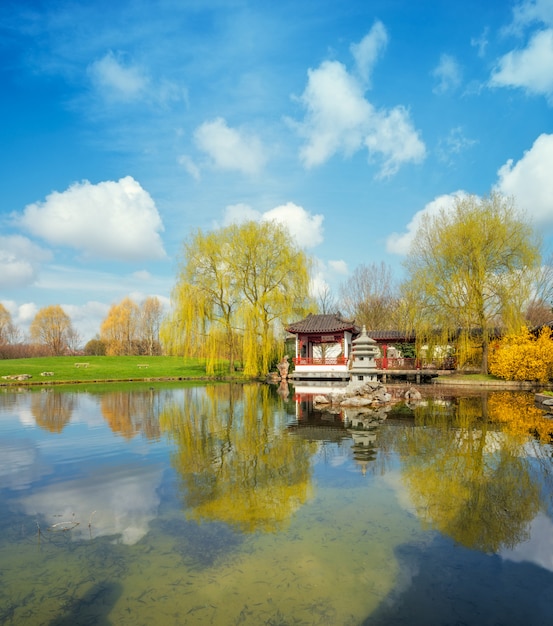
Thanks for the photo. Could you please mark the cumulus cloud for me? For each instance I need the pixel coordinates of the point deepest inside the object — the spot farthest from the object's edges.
(20, 260)
(530, 182)
(394, 140)
(240, 213)
(448, 75)
(305, 228)
(116, 80)
(337, 114)
(339, 119)
(400, 243)
(110, 220)
(229, 148)
(530, 68)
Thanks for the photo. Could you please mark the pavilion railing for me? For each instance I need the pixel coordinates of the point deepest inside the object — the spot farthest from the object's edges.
(385, 363)
(338, 360)
(401, 363)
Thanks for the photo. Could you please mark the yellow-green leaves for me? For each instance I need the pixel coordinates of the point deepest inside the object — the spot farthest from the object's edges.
(469, 269)
(236, 289)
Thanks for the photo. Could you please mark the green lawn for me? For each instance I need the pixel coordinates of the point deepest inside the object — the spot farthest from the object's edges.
(101, 368)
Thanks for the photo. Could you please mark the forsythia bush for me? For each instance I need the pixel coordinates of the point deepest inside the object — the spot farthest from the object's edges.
(522, 356)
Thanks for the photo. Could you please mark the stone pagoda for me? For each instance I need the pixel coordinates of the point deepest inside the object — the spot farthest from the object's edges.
(363, 365)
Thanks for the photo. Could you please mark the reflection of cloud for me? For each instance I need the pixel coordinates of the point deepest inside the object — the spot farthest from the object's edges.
(119, 501)
(538, 549)
(20, 464)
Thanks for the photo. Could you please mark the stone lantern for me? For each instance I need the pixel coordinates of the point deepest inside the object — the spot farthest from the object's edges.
(363, 366)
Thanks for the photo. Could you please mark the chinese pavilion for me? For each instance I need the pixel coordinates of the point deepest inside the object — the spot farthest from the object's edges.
(323, 346)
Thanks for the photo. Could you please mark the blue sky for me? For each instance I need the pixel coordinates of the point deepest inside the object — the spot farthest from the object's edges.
(127, 125)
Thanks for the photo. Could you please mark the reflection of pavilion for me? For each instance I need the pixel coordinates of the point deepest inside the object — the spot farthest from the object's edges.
(334, 424)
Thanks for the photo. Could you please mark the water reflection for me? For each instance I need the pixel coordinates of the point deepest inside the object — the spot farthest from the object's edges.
(249, 504)
(52, 410)
(235, 463)
(466, 478)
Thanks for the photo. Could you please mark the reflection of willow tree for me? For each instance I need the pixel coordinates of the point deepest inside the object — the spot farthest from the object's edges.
(131, 412)
(237, 466)
(467, 480)
(51, 410)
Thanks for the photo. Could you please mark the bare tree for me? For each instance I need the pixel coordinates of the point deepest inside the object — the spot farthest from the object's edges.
(370, 296)
(151, 312)
(325, 301)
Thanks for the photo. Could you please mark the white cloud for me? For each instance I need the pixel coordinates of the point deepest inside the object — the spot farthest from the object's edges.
(530, 180)
(395, 140)
(337, 114)
(118, 81)
(142, 275)
(239, 213)
(400, 243)
(87, 318)
(481, 42)
(305, 228)
(367, 51)
(531, 11)
(530, 68)
(189, 166)
(20, 260)
(339, 267)
(339, 119)
(24, 314)
(455, 143)
(110, 220)
(230, 149)
(448, 75)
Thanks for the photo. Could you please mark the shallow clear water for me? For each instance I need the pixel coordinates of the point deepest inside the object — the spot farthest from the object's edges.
(234, 504)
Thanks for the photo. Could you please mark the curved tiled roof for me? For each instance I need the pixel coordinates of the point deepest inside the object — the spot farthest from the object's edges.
(391, 335)
(328, 323)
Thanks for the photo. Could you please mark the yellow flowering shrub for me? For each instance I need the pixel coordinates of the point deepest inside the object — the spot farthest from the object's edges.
(522, 356)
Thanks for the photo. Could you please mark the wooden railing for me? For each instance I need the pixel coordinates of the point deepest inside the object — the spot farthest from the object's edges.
(338, 360)
(387, 363)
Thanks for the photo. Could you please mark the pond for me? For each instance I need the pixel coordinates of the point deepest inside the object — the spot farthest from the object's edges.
(241, 504)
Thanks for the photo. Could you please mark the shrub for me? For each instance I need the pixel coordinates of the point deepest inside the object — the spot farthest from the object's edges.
(521, 356)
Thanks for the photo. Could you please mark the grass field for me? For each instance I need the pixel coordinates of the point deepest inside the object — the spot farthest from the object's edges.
(63, 369)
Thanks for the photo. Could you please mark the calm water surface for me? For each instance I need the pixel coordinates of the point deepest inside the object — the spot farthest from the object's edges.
(240, 504)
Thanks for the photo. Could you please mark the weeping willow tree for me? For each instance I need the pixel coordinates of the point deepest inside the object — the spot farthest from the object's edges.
(469, 269)
(236, 289)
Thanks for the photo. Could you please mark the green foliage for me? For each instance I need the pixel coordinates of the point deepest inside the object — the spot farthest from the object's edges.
(95, 347)
(470, 269)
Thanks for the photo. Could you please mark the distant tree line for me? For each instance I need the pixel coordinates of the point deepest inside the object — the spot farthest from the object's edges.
(128, 329)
